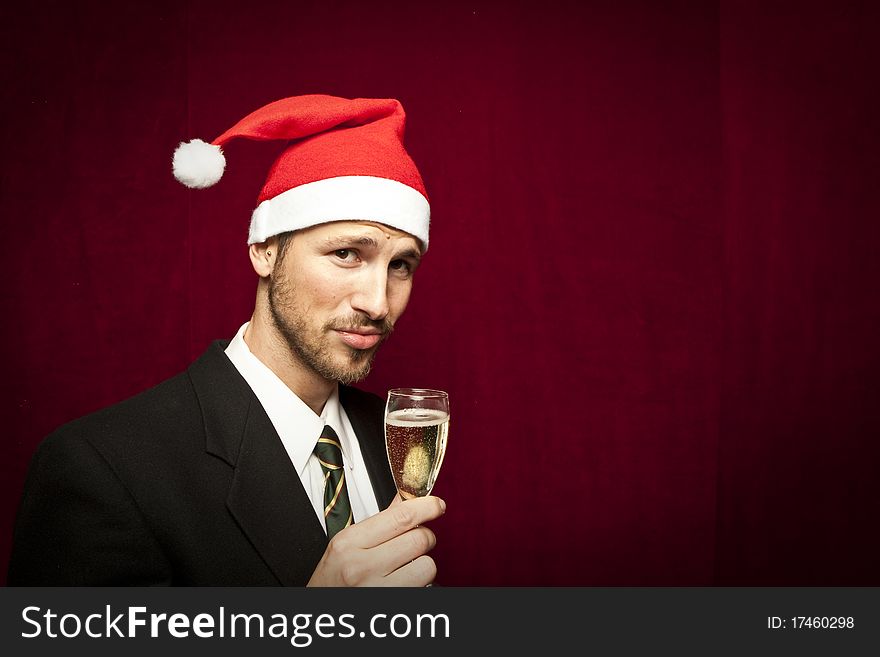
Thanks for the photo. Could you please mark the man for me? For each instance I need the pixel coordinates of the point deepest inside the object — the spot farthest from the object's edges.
(259, 465)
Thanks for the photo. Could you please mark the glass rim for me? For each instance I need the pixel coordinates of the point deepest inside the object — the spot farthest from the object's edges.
(418, 393)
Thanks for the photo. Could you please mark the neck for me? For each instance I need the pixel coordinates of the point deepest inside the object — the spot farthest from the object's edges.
(269, 346)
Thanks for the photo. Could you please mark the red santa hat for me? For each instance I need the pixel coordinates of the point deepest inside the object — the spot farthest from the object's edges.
(345, 161)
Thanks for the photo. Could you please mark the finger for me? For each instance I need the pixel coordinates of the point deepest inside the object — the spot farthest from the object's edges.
(401, 550)
(396, 500)
(368, 567)
(419, 572)
(394, 521)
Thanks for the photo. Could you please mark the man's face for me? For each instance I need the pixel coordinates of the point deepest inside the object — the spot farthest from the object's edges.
(338, 290)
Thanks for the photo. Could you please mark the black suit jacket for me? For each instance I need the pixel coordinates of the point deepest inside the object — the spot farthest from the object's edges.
(185, 484)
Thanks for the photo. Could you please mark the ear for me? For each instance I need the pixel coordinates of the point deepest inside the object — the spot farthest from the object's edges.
(263, 256)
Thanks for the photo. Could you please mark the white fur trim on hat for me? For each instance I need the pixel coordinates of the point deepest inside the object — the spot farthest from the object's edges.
(344, 198)
(198, 164)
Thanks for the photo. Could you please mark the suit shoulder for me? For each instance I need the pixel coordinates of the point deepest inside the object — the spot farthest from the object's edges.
(171, 403)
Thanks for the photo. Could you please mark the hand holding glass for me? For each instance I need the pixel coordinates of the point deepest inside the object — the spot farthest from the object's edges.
(416, 427)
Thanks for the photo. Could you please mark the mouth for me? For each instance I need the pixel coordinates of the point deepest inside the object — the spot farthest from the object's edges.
(360, 338)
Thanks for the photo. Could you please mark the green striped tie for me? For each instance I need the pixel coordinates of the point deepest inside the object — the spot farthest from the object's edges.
(337, 507)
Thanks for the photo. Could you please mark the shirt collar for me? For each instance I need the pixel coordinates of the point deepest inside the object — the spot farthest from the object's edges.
(297, 425)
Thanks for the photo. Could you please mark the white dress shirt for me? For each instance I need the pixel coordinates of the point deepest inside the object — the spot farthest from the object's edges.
(299, 429)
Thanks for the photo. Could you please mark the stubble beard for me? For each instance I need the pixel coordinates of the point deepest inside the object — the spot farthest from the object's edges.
(313, 351)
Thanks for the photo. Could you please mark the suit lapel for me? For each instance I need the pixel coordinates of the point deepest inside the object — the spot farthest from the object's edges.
(271, 506)
(266, 497)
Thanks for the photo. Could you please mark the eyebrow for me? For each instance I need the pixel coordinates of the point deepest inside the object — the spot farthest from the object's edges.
(360, 240)
(410, 253)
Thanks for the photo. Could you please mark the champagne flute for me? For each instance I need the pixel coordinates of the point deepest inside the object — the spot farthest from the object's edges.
(416, 427)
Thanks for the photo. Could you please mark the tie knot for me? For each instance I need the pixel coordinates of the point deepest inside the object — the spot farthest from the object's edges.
(328, 450)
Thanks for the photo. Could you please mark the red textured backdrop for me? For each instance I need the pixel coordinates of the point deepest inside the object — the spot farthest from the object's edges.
(653, 283)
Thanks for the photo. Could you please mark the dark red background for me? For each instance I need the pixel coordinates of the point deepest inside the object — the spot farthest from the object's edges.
(652, 290)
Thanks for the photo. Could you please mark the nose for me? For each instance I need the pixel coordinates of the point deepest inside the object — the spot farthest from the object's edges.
(371, 296)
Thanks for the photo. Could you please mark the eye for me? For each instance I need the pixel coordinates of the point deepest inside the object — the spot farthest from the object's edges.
(403, 267)
(348, 255)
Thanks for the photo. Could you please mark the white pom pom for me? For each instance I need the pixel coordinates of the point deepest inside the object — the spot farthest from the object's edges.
(198, 164)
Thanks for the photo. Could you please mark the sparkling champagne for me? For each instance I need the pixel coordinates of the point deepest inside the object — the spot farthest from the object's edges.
(416, 441)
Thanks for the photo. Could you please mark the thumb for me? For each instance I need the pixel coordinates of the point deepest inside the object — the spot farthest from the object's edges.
(396, 500)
